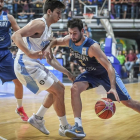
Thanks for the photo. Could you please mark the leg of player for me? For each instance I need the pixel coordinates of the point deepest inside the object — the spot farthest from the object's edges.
(55, 97)
(19, 96)
(135, 105)
(124, 95)
(77, 131)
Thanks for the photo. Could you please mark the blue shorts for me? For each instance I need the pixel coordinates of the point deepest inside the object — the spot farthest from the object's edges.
(6, 66)
(103, 79)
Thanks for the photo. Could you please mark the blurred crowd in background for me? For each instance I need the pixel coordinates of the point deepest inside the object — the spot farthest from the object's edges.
(30, 9)
(120, 9)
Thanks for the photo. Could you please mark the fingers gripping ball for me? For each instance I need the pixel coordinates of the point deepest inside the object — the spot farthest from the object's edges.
(105, 108)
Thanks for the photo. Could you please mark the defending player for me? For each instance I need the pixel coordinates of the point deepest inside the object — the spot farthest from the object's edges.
(99, 71)
(31, 39)
(6, 61)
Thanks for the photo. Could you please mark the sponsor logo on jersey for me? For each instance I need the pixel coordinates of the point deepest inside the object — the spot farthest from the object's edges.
(84, 50)
(42, 82)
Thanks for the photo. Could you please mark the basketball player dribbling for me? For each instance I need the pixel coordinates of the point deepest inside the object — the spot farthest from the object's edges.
(30, 40)
(99, 71)
(6, 61)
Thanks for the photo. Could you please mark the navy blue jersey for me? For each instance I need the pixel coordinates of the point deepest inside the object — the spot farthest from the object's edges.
(5, 38)
(80, 53)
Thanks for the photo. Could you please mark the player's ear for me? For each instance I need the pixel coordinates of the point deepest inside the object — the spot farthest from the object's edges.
(49, 11)
(82, 30)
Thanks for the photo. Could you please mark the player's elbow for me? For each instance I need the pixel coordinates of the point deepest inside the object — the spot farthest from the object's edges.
(14, 36)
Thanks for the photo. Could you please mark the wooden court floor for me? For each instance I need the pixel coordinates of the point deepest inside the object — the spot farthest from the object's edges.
(124, 125)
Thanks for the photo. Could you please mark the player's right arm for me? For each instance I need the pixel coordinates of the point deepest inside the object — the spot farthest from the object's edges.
(32, 28)
(63, 42)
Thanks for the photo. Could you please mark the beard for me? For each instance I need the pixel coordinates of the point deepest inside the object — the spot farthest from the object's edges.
(78, 40)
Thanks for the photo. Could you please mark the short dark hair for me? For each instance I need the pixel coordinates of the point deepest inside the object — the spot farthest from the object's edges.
(75, 22)
(52, 4)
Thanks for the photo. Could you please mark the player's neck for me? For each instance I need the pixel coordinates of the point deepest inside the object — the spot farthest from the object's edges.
(80, 42)
(48, 21)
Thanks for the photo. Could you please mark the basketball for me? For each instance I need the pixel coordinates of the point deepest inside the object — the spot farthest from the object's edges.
(105, 108)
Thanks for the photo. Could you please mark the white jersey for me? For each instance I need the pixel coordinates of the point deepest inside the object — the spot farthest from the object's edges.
(37, 44)
(30, 72)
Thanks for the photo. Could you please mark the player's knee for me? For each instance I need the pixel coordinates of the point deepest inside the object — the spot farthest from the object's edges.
(60, 92)
(75, 91)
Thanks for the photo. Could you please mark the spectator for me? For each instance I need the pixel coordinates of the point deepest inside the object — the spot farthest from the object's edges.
(25, 5)
(81, 69)
(16, 6)
(57, 52)
(133, 4)
(124, 7)
(137, 9)
(138, 59)
(125, 54)
(112, 9)
(9, 5)
(117, 8)
(87, 31)
(130, 60)
(121, 58)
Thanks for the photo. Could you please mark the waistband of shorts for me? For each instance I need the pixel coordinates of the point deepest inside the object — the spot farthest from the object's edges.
(3, 49)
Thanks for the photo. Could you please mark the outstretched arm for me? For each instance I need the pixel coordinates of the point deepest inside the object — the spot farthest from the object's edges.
(95, 51)
(63, 42)
(54, 63)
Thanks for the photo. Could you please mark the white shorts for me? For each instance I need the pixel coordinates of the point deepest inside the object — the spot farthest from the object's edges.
(33, 74)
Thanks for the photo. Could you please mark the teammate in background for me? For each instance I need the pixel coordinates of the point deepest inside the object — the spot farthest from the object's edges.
(31, 40)
(6, 61)
(99, 71)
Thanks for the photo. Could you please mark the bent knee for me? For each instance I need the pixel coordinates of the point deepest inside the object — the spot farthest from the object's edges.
(60, 91)
(75, 90)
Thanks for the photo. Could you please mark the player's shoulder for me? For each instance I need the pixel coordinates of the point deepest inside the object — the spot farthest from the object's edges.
(90, 42)
(38, 22)
(67, 37)
(10, 17)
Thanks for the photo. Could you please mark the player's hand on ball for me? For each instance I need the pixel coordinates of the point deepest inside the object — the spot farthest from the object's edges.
(113, 91)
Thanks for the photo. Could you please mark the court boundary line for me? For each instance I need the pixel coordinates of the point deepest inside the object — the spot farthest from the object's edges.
(2, 138)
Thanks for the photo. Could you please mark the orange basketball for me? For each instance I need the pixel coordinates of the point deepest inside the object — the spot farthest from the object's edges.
(105, 108)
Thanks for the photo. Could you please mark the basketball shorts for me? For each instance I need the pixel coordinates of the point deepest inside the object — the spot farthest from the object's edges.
(33, 74)
(103, 79)
(6, 66)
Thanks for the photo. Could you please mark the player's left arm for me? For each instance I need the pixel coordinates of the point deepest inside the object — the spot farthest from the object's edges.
(95, 51)
(13, 22)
